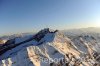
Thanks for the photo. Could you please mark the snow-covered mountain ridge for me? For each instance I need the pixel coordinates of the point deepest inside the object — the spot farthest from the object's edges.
(50, 48)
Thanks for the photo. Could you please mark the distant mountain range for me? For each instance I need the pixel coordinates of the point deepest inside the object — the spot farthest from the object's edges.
(90, 30)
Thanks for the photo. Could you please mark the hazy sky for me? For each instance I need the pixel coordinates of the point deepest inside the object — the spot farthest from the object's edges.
(29, 15)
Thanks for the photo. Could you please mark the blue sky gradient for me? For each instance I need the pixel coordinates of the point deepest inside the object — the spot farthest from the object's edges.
(18, 16)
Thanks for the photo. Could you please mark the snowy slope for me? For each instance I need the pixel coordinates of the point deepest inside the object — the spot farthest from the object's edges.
(51, 48)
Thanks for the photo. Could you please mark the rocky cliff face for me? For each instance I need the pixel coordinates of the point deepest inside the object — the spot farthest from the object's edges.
(51, 48)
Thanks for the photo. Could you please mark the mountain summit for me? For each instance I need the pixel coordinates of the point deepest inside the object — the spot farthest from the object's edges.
(49, 48)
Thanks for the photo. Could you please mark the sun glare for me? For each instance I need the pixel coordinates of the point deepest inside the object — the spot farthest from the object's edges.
(97, 24)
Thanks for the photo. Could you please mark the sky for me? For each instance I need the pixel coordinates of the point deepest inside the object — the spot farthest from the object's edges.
(18, 16)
